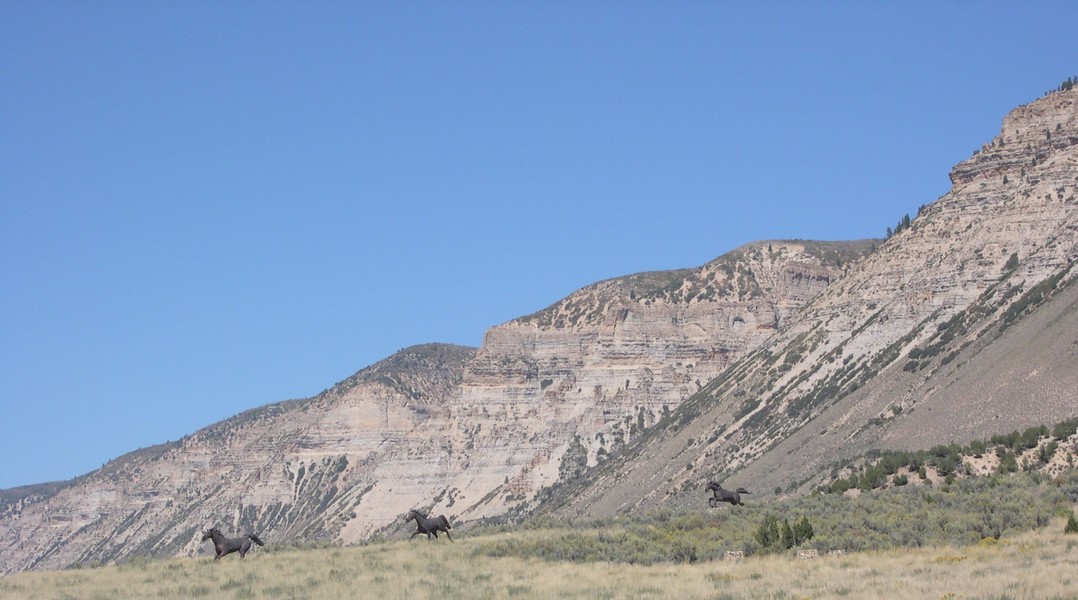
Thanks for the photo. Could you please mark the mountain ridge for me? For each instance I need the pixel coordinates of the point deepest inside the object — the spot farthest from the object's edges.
(1017, 241)
(763, 364)
(428, 427)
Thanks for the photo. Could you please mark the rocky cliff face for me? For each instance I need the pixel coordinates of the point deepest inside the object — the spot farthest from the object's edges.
(551, 393)
(765, 363)
(292, 471)
(466, 433)
(883, 347)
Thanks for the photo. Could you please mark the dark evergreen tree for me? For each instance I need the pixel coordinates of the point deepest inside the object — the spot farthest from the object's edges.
(768, 532)
(803, 530)
(787, 537)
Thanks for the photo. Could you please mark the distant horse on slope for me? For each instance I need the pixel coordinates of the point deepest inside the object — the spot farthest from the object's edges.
(225, 545)
(429, 525)
(721, 495)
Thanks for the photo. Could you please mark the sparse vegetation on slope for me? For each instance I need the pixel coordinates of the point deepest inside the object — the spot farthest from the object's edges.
(734, 276)
(1067, 85)
(1036, 449)
(963, 513)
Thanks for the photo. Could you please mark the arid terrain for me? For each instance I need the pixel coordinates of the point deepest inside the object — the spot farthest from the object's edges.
(767, 367)
(1040, 565)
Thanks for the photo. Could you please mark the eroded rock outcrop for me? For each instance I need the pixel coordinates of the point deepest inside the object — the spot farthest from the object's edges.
(883, 346)
(468, 433)
(576, 381)
(293, 471)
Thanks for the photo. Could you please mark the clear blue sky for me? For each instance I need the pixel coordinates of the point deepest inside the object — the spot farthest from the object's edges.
(211, 206)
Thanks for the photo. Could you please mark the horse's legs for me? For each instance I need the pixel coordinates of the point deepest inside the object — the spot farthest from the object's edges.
(415, 534)
(244, 548)
(447, 535)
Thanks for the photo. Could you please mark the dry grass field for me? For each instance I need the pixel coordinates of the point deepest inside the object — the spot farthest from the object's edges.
(1035, 565)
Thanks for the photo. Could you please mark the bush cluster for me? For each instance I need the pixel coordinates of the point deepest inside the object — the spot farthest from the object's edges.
(901, 517)
(903, 224)
(771, 535)
(883, 466)
(1067, 84)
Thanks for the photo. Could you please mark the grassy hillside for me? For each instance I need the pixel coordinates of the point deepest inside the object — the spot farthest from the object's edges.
(895, 543)
(965, 512)
(1041, 564)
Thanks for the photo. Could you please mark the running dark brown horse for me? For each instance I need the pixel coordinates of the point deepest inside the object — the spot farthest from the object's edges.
(225, 545)
(721, 495)
(429, 525)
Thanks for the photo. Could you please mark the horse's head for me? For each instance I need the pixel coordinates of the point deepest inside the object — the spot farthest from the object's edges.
(412, 514)
(713, 487)
(210, 533)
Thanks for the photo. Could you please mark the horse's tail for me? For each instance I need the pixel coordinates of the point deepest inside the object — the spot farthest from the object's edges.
(445, 522)
(743, 491)
(254, 538)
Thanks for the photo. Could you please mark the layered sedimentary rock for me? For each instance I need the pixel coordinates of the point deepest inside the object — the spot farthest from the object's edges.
(467, 433)
(883, 348)
(556, 391)
(623, 396)
(292, 471)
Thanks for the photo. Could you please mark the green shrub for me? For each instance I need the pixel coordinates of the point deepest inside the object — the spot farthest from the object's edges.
(786, 536)
(1008, 462)
(1012, 262)
(1065, 429)
(768, 532)
(1072, 524)
(803, 531)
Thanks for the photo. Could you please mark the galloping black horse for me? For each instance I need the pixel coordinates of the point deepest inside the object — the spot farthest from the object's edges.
(721, 495)
(429, 526)
(224, 545)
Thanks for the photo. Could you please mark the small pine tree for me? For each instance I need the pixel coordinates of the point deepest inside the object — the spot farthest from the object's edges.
(1065, 429)
(803, 530)
(788, 539)
(1072, 525)
(768, 532)
(1008, 463)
